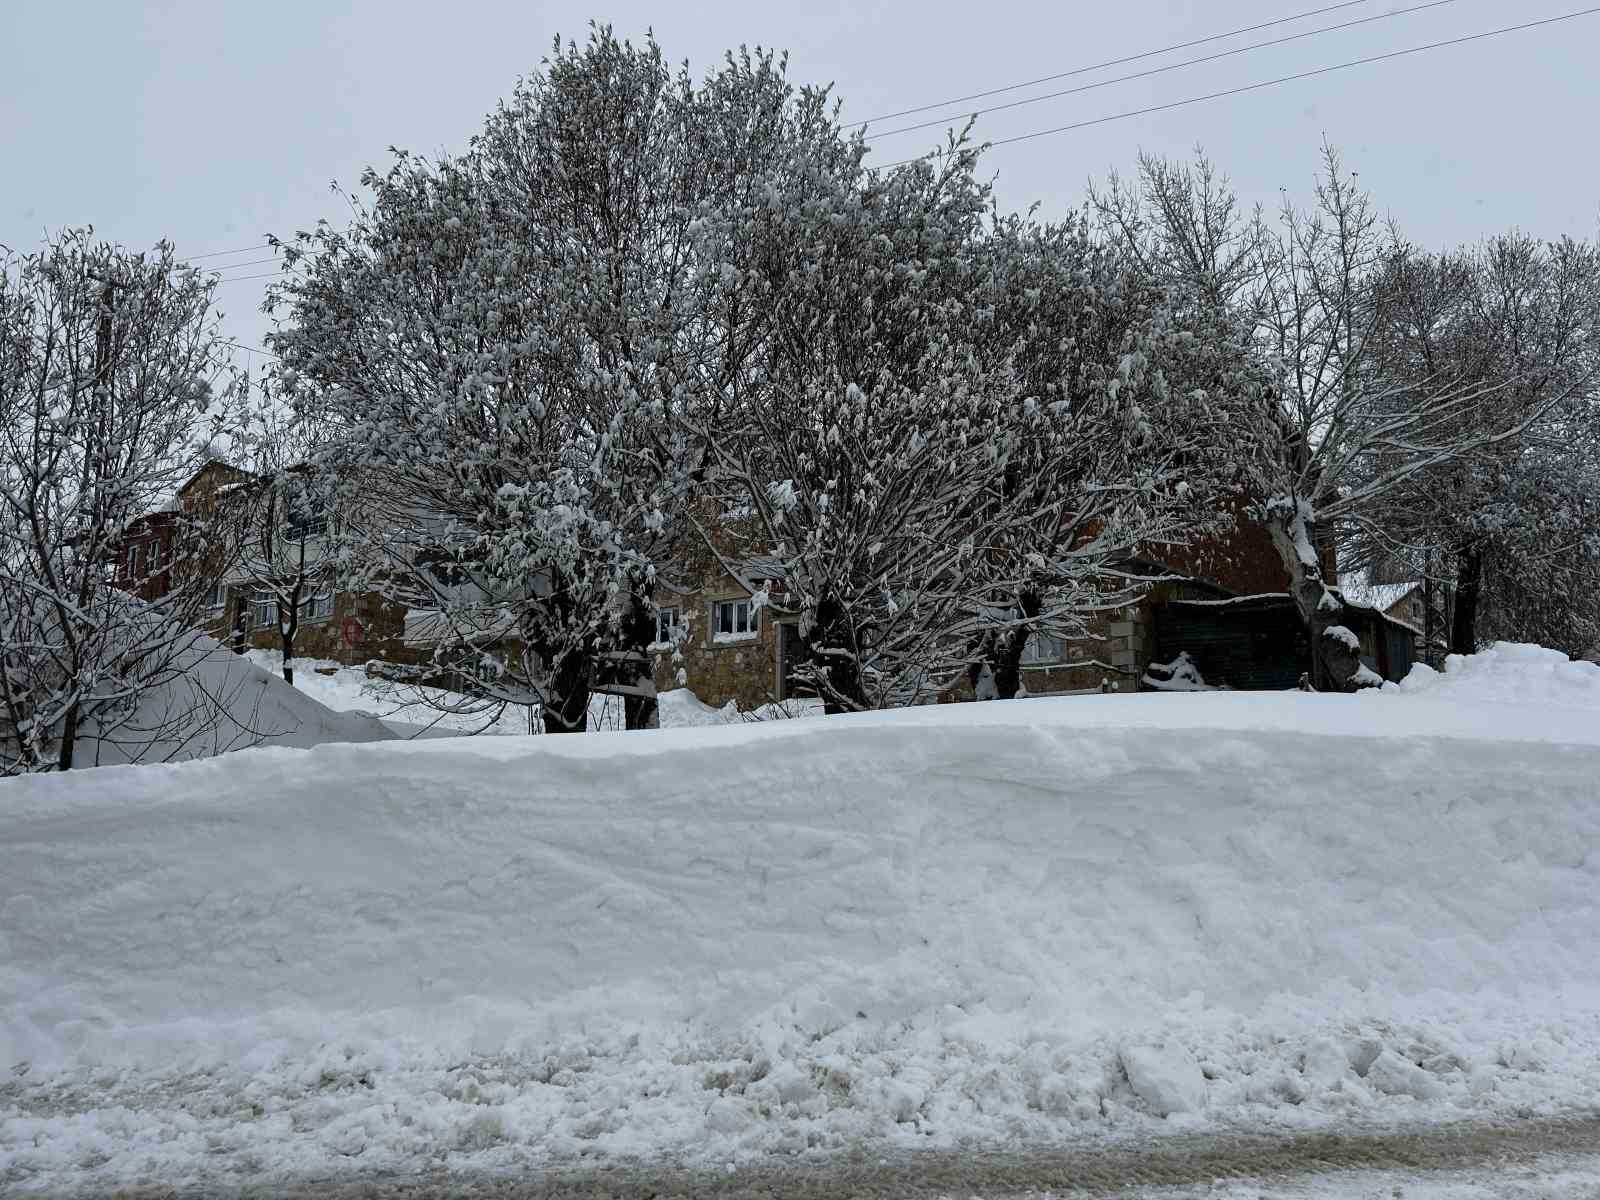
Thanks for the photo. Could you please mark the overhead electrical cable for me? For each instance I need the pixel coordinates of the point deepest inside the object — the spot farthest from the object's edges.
(1114, 62)
(223, 253)
(243, 346)
(1177, 66)
(251, 262)
(1266, 83)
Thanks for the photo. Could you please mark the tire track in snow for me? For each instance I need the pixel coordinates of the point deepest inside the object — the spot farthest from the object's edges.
(1093, 1171)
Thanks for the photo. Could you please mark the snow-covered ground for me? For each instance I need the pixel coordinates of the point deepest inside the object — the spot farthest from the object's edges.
(1001, 924)
(425, 712)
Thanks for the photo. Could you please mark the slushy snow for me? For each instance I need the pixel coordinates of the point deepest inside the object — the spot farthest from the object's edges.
(968, 925)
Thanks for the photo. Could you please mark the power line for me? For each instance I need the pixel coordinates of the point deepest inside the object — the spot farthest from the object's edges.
(242, 346)
(1188, 62)
(1115, 62)
(1254, 87)
(253, 262)
(242, 278)
(223, 253)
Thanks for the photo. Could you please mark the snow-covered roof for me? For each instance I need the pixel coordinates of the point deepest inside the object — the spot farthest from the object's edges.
(1356, 590)
(1275, 599)
(208, 465)
(431, 627)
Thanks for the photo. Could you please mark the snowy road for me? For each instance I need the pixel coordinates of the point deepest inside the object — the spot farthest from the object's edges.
(1520, 1161)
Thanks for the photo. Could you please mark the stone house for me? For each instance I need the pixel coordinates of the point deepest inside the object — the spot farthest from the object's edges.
(346, 626)
(723, 629)
(736, 640)
(146, 555)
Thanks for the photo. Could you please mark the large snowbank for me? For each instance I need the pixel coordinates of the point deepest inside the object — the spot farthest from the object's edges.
(974, 923)
(215, 701)
(1508, 673)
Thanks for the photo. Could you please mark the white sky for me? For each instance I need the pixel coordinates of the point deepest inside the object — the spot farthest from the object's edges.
(215, 123)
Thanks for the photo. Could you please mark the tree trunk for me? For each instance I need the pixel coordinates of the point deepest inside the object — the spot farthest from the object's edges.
(1427, 608)
(1007, 665)
(288, 630)
(566, 701)
(69, 737)
(1335, 661)
(844, 691)
(639, 708)
(1469, 585)
(1006, 662)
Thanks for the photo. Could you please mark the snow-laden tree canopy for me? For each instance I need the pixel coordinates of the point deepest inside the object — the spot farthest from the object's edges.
(110, 367)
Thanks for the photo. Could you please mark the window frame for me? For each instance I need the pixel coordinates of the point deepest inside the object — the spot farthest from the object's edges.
(1031, 656)
(308, 613)
(669, 619)
(305, 527)
(263, 600)
(752, 621)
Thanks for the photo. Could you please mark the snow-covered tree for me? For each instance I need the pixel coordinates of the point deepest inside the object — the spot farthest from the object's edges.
(860, 449)
(1113, 435)
(278, 521)
(961, 431)
(1519, 318)
(508, 345)
(109, 363)
(1332, 433)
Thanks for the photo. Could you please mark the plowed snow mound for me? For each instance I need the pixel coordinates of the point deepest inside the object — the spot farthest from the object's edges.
(218, 702)
(988, 921)
(1509, 673)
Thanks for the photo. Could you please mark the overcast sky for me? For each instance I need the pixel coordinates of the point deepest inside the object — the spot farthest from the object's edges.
(215, 123)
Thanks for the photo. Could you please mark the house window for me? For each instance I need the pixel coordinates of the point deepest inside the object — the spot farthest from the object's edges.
(733, 619)
(217, 597)
(307, 524)
(318, 606)
(133, 562)
(668, 622)
(263, 610)
(155, 556)
(1042, 648)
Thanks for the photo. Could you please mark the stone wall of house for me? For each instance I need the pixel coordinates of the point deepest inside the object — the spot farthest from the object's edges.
(375, 626)
(743, 669)
(362, 626)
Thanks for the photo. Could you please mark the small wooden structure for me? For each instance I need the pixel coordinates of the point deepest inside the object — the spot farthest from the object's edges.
(1259, 643)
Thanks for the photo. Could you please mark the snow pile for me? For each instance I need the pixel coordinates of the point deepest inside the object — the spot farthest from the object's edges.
(215, 702)
(1509, 673)
(682, 709)
(1182, 674)
(410, 711)
(945, 926)
(402, 708)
